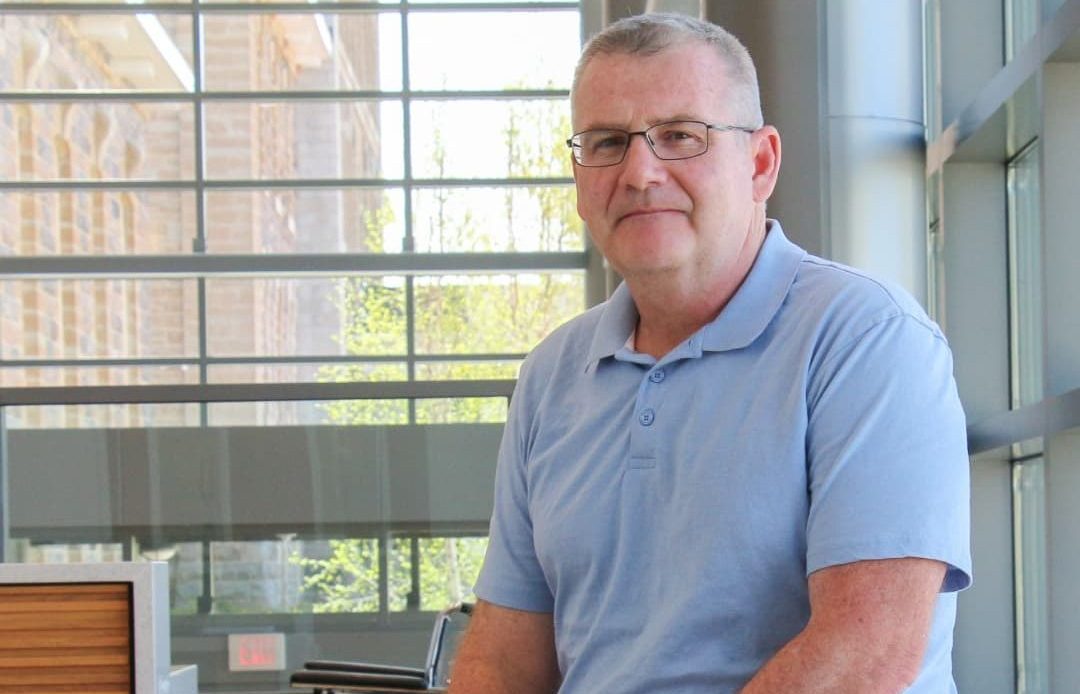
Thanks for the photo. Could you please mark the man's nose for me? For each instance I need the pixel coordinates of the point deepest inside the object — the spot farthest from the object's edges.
(641, 168)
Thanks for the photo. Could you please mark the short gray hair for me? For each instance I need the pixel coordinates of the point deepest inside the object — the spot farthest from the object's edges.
(649, 34)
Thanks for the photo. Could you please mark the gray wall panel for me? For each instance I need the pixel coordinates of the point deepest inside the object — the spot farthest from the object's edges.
(983, 641)
(1061, 219)
(976, 288)
(782, 37)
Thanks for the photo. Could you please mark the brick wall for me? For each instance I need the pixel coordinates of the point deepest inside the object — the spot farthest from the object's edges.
(115, 140)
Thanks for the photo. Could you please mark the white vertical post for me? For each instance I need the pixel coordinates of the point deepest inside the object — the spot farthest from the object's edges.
(874, 130)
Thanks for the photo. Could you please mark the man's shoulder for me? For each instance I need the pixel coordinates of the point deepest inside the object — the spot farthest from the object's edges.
(847, 298)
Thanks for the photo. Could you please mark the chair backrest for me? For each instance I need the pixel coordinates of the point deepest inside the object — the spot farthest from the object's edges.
(446, 635)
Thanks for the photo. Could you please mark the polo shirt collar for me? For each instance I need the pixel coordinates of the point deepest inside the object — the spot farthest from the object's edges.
(759, 297)
(740, 322)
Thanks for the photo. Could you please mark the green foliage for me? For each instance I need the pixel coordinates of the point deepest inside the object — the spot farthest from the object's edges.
(454, 314)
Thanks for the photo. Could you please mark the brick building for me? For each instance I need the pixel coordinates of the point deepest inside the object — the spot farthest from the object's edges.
(154, 140)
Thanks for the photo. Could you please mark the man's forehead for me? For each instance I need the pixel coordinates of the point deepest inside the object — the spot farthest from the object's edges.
(682, 82)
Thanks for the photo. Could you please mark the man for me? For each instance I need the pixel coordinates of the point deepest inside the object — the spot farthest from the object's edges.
(746, 471)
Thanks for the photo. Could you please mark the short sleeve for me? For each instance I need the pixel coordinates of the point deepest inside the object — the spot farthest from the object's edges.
(887, 452)
(511, 575)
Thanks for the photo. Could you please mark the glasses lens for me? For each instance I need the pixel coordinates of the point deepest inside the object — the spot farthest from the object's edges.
(679, 139)
(600, 147)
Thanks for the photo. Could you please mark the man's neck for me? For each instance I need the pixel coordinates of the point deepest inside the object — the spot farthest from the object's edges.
(673, 307)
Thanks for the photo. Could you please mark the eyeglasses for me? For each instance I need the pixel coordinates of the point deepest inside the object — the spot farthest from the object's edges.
(677, 139)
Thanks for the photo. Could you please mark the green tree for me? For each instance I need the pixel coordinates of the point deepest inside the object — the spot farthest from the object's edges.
(459, 315)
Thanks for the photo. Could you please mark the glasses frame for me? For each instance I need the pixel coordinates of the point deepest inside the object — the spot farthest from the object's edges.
(574, 143)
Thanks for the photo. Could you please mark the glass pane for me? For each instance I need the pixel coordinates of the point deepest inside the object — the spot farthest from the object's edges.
(325, 51)
(254, 577)
(316, 139)
(52, 376)
(1024, 117)
(352, 372)
(312, 413)
(95, 141)
(97, 222)
(73, 319)
(267, 317)
(75, 553)
(1021, 22)
(446, 569)
(97, 2)
(491, 314)
(101, 416)
(931, 67)
(1025, 280)
(1029, 533)
(467, 370)
(263, 526)
(149, 52)
(537, 50)
(313, 2)
(331, 220)
(460, 410)
(490, 139)
(533, 218)
(342, 575)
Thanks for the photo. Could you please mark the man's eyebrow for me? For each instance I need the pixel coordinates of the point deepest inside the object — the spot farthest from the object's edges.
(649, 121)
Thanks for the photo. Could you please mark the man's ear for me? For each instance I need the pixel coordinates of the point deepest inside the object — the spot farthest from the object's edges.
(765, 150)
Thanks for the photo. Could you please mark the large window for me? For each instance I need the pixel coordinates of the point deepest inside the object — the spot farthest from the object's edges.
(1003, 156)
(258, 202)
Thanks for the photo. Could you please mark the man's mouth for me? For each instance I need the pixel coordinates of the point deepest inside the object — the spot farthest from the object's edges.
(645, 212)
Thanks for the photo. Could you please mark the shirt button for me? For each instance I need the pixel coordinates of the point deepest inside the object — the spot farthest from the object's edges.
(647, 417)
(657, 376)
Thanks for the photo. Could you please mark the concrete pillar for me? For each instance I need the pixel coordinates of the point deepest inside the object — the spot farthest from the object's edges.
(875, 215)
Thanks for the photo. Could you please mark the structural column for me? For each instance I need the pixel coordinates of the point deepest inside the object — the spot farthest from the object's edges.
(875, 209)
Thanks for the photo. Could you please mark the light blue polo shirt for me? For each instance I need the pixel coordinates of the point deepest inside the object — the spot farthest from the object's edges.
(668, 512)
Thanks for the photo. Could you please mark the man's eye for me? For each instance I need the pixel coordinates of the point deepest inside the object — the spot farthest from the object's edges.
(608, 142)
(677, 135)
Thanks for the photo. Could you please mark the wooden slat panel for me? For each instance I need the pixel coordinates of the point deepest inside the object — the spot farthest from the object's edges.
(64, 688)
(64, 657)
(109, 674)
(64, 589)
(61, 638)
(37, 603)
(65, 620)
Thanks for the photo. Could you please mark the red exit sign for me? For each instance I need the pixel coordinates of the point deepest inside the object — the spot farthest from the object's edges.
(256, 652)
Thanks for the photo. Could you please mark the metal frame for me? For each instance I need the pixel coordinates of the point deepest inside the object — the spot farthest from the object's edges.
(201, 265)
(1028, 61)
(266, 8)
(252, 392)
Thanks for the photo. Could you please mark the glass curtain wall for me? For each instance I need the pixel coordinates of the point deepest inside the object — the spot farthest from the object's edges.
(265, 194)
(987, 130)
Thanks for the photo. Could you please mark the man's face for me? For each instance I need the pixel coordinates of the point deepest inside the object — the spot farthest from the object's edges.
(649, 216)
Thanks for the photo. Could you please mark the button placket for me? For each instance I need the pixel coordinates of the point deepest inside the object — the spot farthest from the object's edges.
(644, 435)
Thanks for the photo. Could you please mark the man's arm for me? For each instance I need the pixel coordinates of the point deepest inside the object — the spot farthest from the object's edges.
(506, 651)
(868, 630)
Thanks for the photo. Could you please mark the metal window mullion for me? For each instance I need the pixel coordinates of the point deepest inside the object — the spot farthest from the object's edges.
(5, 513)
(199, 243)
(253, 359)
(409, 242)
(275, 95)
(253, 265)
(278, 183)
(384, 543)
(344, 6)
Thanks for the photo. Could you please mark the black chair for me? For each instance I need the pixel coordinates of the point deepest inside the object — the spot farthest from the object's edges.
(331, 676)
